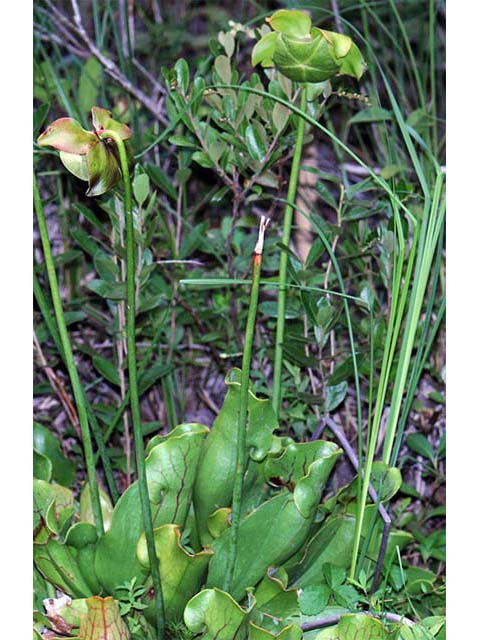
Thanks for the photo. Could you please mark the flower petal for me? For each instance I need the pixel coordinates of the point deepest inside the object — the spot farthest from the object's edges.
(264, 49)
(76, 164)
(292, 22)
(102, 119)
(341, 44)
(103, 169)
(305, 60)
(66, 134)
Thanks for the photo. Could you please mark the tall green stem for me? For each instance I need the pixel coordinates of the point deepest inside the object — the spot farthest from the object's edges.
(282, 276)
(242, 420)
(133, 384)
(70, 362)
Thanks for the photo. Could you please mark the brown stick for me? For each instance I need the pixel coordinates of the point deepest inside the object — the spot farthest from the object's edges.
(57, 387)
(328, 621)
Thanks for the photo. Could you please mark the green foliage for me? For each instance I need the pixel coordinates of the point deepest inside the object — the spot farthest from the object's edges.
(363, 315)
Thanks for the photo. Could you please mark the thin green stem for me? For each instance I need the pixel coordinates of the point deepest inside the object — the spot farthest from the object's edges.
(242, 420)
(282, 276)
(44, 307)
(422, 274)
(423, 347)
(432, 61)
(69, 359)
(133, 384)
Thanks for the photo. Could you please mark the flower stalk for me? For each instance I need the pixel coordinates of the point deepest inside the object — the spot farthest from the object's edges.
(133, 382)
(243, 413)
(69, 360)
(282, 276)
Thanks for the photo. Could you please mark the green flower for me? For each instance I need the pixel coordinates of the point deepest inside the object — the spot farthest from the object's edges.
(304, 53)
(89, 155)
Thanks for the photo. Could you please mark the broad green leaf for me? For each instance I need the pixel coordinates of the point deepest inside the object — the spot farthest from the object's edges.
(40, 591)
(333, 543)
(292, 22)
(273, 597)
(89, 85)
(84, 240)
(227, 40)
(182, 74)
(161, 180)
(216, 149)
(371, 114)
(217, 522)
(103, 169)
(219, 450)
(182, 176)
(60, 511)
(42, 467)
(313, 599)
(305, 468)
(419, 580)
(63, 469)
(418, 443)
(58, 564)
(103, 621)
(86, 510)
(215, 615)
(280, 115)
(325, 195)
(352, 626)
(335, 395)
(182, 141)
(107, 369)
(201, 158)
(329, 633)
(52, 507)
(291, 632)
(105, 266)
(255, 138)
(43, 496)
(111, 290)
(155, 372)
(223, 68)
(66, 134)
(171, 467)
(292, 514)
(181, 572)
(141, 187)
(82, 537)
(115, 556)
(102, 120)
(386, 480)
(430, 627)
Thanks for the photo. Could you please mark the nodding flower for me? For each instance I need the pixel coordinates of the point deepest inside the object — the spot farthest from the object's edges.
(89, 155)
(304, 53)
